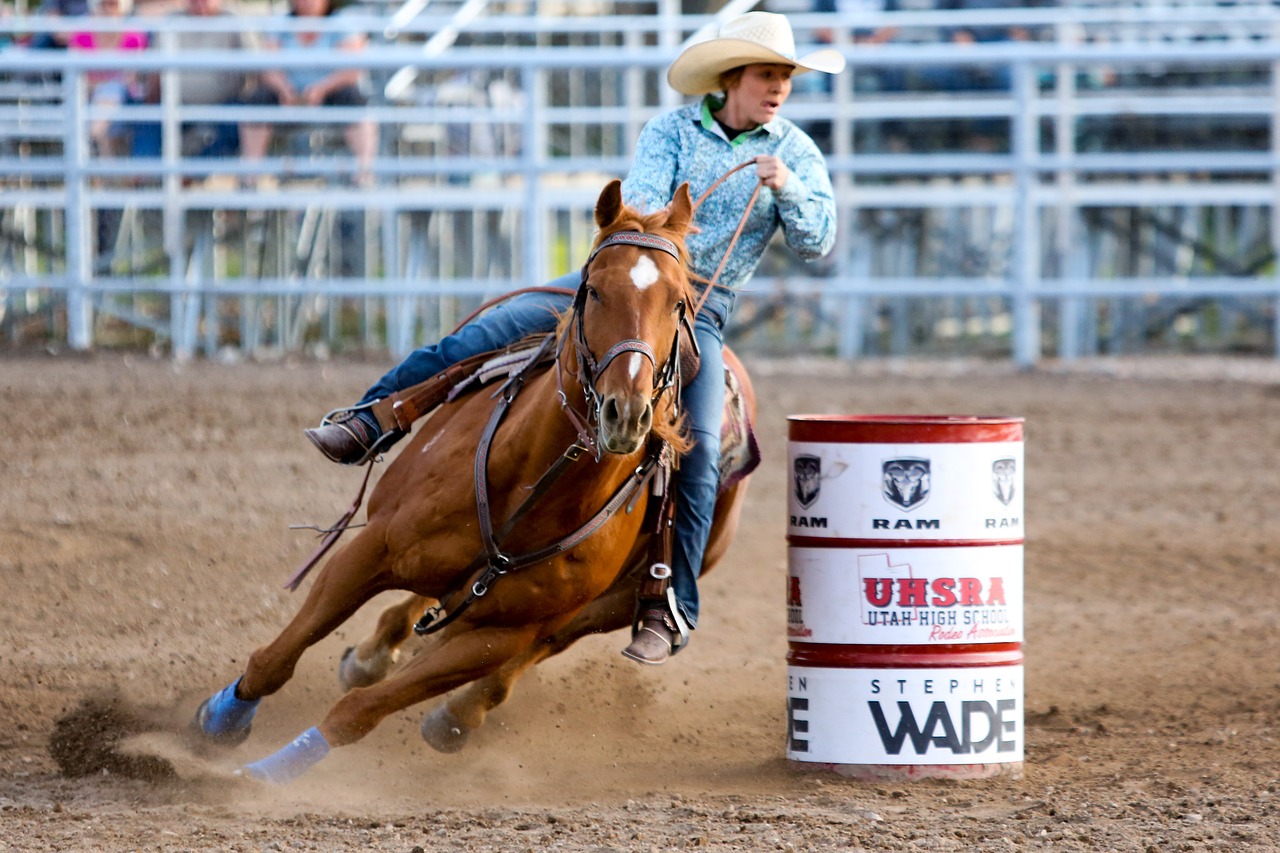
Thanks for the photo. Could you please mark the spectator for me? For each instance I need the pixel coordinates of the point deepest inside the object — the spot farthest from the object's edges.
(887, 79)
(58, 9)
(985, 134)
(204, 88)
(866, 79)
(980, 77)
(110, 88)
(314, 87)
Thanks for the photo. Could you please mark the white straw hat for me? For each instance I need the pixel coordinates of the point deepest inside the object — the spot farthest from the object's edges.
(756, 37)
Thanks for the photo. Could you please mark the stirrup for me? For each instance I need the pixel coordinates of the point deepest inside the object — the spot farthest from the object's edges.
(671, 613)
(653, 643)
(386, 438)
(681, 638)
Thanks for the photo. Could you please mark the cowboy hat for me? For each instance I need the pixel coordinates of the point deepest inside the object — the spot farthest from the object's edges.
(756, 37)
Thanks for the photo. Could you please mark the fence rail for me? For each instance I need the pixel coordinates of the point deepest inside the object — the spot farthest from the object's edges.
(1098, 180)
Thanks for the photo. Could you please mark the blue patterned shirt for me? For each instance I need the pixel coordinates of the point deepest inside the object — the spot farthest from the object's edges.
(686, 144)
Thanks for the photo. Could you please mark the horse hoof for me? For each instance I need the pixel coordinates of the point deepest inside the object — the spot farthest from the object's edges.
(226, 739)
(443, 731)
(352, 672)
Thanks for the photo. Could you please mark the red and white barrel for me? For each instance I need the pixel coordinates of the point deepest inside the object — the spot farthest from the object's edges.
(904, 595)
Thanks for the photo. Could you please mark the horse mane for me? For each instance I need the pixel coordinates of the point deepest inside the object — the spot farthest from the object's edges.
(669, 425)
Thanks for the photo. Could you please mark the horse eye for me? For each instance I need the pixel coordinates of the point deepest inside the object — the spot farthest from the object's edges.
(679, 309)
(591, 293)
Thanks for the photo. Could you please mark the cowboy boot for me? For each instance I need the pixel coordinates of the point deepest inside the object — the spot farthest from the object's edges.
(351, 436)
(653, 638)
(354, 435)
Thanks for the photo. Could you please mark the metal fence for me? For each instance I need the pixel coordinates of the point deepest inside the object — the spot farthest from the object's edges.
(1079, 180)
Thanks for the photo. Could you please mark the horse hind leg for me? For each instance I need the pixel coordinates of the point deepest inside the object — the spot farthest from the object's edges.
(449, 725)
(370, 660)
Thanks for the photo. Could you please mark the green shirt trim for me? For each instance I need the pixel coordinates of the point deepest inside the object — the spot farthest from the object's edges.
(710, 104)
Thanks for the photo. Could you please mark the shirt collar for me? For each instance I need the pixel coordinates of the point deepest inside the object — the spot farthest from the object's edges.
(710, 104)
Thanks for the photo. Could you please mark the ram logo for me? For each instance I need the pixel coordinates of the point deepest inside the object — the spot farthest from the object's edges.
(808, 479)
(906, 481)
(1004, 473)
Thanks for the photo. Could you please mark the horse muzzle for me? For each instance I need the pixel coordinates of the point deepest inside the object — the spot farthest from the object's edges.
(625, 422)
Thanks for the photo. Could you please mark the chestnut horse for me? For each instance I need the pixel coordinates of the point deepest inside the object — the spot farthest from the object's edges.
(430, 521)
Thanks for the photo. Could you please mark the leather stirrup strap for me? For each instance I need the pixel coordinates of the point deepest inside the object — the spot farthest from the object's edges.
(654, 584)
(400, 409)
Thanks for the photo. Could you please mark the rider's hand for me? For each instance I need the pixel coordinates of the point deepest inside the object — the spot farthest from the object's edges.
(772, 171)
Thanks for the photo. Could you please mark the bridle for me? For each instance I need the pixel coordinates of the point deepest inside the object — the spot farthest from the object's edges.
(590, 368)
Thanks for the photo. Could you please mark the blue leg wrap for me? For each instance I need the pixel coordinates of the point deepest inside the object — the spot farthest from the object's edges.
(292, 761)
(225, 719)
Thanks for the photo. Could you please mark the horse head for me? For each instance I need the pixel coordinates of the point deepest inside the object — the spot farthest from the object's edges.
(627, 319)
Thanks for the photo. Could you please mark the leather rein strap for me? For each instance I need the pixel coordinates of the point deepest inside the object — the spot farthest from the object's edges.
(330, 535)
(733, 241)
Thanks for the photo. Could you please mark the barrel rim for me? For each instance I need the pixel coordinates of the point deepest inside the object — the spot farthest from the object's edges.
(839, 543)
(905, 656)
(909, 420)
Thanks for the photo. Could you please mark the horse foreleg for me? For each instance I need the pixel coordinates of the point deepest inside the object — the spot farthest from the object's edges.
(463, 656)
(450, 724)
(348, 580)
(369, 661)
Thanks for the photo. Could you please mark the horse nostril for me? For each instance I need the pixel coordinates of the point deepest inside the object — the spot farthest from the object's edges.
(646, 419)
(610, 410)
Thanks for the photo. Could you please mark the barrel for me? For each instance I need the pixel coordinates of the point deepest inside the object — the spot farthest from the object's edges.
(904, 595)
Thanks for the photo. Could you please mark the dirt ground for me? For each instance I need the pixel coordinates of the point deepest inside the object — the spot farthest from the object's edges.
(144, 541)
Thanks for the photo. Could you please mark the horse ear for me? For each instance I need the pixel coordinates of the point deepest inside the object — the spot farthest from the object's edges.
(680, 210)
(609, 205)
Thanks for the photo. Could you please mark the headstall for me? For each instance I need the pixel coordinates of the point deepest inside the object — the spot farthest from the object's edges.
(589, 367)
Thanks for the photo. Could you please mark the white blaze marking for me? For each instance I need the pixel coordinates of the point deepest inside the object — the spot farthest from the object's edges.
(644, 273)
(637, 360)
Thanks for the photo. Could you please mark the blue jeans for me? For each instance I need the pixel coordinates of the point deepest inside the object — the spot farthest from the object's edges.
(214, 140)
(697, 479)
(504, 324)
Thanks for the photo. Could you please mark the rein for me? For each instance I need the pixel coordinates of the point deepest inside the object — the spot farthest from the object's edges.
(331, 535)
(733, 241)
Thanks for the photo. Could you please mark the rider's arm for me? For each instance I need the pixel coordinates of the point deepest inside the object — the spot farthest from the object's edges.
(651, 182)
(806, 202)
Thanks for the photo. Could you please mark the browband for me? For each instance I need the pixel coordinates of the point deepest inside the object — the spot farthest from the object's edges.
(636, 238)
